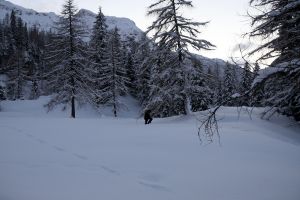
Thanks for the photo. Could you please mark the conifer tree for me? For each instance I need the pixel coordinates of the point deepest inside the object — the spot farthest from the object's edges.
(164, 100)
(256, 71)
(278, 26)
(99, 55)
(217, 84)
(131, 73)
(34, 62)
(113, 82)
(133, 61)
(230, 81)
(68, 77)
(2, 93)
(247, 78)
(13, 26)
(201, 94)
(143, 64)
(175, 33)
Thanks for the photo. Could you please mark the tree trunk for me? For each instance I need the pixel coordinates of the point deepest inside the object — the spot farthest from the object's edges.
(73, 107)
(73, 98)
(115, 110)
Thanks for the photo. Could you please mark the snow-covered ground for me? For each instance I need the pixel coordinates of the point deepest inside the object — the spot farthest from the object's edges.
(52, 157)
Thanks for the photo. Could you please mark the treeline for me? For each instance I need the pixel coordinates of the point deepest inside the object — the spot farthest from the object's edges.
(164, 77)
(99, 72)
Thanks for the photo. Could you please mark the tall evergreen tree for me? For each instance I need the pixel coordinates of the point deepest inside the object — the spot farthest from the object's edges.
(278, 25)
(13, 26)
(230, 81)
(34, 62)
(114, 75)
(100, 56)
(246, 84)
(200, 92)
(247, 78)
(164, 100)
(256, 71)
(143, 64)
(216, 84)
(175, 33)
(131, 73)
(68, 76)
(132, 63)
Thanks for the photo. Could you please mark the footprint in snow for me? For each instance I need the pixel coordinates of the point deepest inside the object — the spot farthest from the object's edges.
(154, 186)
(151, 177)
(112, 171)
(59, 148)
(41, 141)
(81, 157)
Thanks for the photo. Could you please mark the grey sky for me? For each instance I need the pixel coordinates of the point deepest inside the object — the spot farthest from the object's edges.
(227, 21)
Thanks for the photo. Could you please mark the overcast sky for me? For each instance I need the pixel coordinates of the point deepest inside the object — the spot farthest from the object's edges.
(227, 17)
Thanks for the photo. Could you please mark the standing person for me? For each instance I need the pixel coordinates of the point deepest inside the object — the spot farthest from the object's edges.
(147, 117)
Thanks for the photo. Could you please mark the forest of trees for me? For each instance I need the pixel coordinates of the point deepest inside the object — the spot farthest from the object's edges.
(159, 70)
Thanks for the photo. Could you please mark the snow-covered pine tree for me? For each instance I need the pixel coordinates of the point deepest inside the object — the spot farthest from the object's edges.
(247, 78)
(200, 93)
(246, 84)
(164, 100)
(278, 26)
(2, 89)
(2, 93)
(175, 33)
(132, 63)
(114, 76)
(131, 73)
(34, 61)
(100, 56)
(68, 77)
(256, 71)
(230, 82)
(256, 100)
(216, 83)
(143, 66)
(4, 42)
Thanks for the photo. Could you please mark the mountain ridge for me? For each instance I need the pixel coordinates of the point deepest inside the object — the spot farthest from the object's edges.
(45, 20)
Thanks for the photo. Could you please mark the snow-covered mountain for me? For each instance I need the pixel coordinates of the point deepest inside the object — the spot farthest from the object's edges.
(45, 21)
(31, 17)
(126, 26)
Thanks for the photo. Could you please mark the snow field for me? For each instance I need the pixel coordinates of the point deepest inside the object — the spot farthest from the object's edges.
(50, 156)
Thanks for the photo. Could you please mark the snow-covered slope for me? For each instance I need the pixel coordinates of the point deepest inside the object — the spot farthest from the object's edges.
(126, 26)
(45, 21)
(53, 157)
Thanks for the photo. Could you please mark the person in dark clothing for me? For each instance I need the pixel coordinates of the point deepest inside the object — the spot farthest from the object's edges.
(147, 117)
